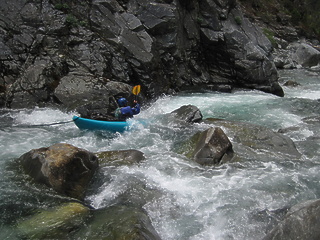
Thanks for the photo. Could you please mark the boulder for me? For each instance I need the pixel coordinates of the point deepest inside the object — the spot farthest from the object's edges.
(306, 55)
(291, 83)
(301, 222)
(55, 223)
(256, 142)
(297, 55)
(65, 168)
(183, 117)
(187, 113)
(283, 59)
(209, 147)
(120, 157)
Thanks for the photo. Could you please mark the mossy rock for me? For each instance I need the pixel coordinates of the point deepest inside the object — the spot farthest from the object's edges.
(55, 223)
(120, 222)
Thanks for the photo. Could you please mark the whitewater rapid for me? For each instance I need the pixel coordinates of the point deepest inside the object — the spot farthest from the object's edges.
(231, 201)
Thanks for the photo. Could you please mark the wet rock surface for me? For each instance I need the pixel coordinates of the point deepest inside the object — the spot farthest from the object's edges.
(65, 168)
(67, 55)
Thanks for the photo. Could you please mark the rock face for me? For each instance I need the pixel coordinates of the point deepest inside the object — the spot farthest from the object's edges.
(65, 168)
(71, 54)
(301, 222)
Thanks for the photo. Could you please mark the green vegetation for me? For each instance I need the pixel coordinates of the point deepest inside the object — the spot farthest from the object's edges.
(303, 14)
(73, 21)
(237, 19)
(200, 20)
(62, 6)
(270, 35)
(75, 10)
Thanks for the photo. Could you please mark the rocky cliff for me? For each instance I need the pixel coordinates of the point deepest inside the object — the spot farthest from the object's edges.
(76, 52)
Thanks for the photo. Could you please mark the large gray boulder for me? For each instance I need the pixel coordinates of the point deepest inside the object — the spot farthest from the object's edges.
(65, 168)
(297, 55)
(210, 147)
(181, 118)
(67, 54)
(301, 222)
(306, 55)
(186, 114)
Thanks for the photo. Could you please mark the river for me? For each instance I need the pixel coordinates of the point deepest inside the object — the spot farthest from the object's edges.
(231, 201)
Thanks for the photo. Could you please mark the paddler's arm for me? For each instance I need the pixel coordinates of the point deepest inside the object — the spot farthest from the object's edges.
(136, 108)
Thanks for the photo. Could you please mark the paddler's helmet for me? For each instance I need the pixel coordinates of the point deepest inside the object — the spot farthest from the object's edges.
(122, 102)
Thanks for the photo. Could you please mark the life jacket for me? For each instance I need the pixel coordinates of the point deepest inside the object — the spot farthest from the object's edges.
(123, 113)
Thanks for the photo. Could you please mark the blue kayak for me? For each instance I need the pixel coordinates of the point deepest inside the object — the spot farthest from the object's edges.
(90, 124)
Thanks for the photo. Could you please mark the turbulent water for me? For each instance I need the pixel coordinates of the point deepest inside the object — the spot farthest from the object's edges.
(232, 201)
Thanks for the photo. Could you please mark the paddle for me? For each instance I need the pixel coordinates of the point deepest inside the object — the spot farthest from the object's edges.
(136, 90)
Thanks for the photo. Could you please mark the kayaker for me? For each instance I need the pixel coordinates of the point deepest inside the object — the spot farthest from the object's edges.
(123, 112)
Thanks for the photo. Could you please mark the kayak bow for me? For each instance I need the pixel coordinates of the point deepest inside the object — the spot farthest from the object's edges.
(91, 124)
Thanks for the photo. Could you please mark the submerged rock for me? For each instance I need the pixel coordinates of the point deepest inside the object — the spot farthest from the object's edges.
(120, 157)
(120, 222)
(301, 222)
(291, 83)
(65, 168)
(55, 223)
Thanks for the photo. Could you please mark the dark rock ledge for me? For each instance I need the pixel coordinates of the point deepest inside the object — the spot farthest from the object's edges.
(69, 55)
